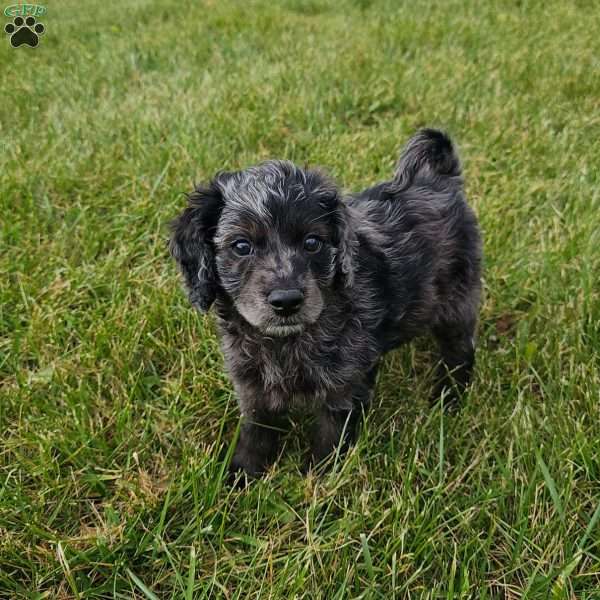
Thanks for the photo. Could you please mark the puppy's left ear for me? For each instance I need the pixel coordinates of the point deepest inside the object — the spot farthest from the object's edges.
(330, 200)
(347, 243)
(191, 244)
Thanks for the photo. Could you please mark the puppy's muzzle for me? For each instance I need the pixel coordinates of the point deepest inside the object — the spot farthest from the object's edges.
(286, 302)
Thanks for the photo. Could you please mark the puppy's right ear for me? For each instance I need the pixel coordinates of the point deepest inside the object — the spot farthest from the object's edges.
(191, 244)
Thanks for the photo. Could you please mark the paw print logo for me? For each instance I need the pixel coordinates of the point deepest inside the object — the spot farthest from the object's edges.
(24, 31)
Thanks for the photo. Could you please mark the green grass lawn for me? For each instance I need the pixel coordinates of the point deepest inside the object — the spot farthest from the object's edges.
(115, 411)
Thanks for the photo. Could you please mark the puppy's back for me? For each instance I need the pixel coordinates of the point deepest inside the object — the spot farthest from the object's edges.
(423, 231)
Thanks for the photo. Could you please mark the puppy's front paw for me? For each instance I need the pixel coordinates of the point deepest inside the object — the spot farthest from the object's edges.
(251, 464)
(317, 462)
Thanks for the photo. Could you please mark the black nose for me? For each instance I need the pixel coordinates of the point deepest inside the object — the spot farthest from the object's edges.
(285, 302)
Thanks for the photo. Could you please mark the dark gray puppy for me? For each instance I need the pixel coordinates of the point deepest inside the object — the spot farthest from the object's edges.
(311, 290)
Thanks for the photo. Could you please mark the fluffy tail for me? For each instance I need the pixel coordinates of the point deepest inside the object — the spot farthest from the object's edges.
(429, 154)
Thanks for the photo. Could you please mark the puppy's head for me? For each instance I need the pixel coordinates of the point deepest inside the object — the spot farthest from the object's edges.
(273, 238)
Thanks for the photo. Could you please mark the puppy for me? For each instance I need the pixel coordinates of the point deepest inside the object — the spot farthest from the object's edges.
(310, 289)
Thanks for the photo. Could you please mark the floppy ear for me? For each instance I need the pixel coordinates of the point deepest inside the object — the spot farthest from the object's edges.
(347, 243)
(326, 193)
(191, 244)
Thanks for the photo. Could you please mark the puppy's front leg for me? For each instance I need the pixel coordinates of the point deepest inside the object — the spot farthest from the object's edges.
(335, 427)
(258, 443)
(332, 429)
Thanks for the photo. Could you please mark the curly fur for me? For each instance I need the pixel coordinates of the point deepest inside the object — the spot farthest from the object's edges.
(398, 260)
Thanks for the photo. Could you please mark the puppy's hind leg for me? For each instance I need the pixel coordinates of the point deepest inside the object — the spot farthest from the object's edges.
(457, 348)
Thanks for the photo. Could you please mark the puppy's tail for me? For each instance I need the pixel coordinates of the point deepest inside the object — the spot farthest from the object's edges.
(430, 155)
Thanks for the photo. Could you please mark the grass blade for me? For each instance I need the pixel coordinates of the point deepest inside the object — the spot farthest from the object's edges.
(141, 585)
(67, 570)
(367, 554)
(589, 528)
(191, 574)
(551, 485)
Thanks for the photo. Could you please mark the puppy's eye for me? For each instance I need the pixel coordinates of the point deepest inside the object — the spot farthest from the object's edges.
(242, 247)
(312, 244)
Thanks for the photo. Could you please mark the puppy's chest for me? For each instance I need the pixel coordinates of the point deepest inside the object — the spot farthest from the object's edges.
(286, 374)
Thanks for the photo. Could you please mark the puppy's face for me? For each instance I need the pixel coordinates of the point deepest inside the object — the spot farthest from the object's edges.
(276, 243)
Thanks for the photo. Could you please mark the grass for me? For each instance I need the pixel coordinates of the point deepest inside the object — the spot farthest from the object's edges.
(115, 411)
